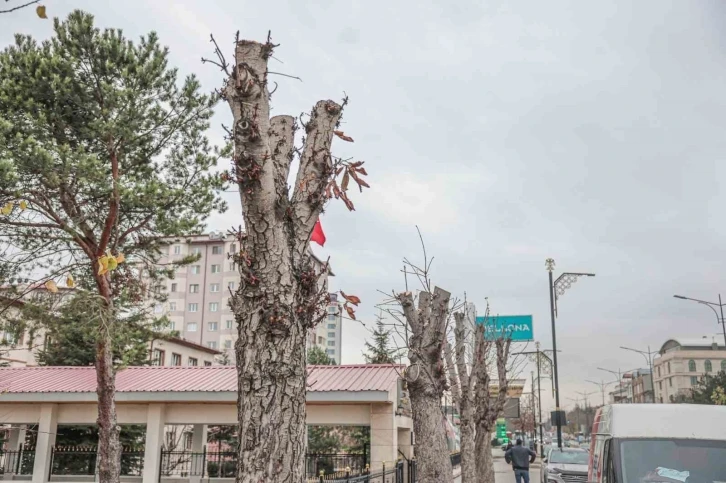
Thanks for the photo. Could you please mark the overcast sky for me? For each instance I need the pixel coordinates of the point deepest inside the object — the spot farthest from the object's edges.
(509, 132)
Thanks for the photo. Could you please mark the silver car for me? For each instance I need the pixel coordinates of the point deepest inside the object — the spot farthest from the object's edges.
(566, 465)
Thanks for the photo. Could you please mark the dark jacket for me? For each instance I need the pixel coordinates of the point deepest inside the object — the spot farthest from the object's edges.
(520, 457)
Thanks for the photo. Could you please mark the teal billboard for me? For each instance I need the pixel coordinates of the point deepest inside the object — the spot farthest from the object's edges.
(517, 327)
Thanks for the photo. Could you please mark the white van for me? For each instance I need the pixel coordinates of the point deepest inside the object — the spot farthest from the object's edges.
(658, 443)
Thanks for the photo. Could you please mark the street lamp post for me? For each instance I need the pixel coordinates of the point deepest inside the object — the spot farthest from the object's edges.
(602, 385)
(711, 305)
(586, 397)
(649, 358)
(557, 289)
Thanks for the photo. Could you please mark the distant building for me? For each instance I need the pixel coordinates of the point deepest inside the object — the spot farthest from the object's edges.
(682, 362)
(622, 393)
(642, 386)
(334, 329)
(198, 303)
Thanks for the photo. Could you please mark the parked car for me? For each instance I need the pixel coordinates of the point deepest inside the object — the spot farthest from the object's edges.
(566, 465)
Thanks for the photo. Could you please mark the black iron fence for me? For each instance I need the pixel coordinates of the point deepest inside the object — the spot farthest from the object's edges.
(387, 474)
(18, 462)
(355, 464)
(456, 459)
(81, 460)
(207, 464)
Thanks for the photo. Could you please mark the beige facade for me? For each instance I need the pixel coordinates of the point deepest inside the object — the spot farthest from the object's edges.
(198, 303)
(682, 362)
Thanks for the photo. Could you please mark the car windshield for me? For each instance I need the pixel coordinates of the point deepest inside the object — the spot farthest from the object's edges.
(569, 457)
(673, 461)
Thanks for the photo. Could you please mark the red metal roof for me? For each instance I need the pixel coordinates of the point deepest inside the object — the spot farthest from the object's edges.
(187, 379)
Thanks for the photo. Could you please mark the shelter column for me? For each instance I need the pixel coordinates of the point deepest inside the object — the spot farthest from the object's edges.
(384, 436)
(47, 427)
(199, 440)
(154, 440)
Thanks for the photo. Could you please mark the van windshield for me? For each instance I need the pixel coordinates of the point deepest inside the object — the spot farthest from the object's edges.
(673, 461)
(569, 457)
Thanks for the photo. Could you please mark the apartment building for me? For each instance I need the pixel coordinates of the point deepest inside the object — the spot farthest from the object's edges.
(682, 362)
(21, 350)
(642, 385)
(198, 302)
(333, 326)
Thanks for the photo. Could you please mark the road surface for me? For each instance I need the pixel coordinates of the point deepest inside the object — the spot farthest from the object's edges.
(503, 472)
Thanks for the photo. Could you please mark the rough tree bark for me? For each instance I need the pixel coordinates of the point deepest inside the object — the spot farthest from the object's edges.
(464, 380)
(488, 410)
(279, 298)
(426, 380)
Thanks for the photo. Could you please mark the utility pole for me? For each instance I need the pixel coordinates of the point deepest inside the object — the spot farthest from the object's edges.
(540, 356)
(649, 358)
(557, 289)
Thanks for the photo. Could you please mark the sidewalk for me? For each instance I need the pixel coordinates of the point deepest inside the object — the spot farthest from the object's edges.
(503, 472)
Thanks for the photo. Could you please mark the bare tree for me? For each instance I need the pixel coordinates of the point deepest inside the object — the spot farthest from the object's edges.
(488, 408)
(281, 295)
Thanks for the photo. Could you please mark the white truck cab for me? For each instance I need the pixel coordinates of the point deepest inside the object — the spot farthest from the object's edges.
(658, 443)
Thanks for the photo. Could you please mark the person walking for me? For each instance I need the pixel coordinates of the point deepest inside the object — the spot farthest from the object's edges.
(520, 458)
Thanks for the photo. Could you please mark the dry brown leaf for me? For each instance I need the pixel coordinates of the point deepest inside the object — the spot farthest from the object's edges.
(70, 283)
(342, 136)
(51, 286)
(346, 180)
(351, 312)
(350, 298)
(40, 10)
(362, 171)
(120, 258)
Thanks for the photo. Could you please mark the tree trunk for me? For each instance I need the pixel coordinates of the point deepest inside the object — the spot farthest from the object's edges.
(279, 297)
(109, 447)
(484, 460)
(432, 452)
(271, 401)
(468, 449)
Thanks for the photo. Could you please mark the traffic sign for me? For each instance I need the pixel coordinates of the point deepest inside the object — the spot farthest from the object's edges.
(517, 327)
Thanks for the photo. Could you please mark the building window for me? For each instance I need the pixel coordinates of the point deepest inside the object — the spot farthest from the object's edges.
(195, 270)
(233, 248)
(670, 381)
(660, 385)
(197, 250)
(212, 344)
(214, 287)
(691, 366)
(157, 358)
(694, 380)
(658, 371)
(232, 267)
(213, 326)
(207, 363)
(332, 316)
(194, 288)
(331, 335)
(229, 324)
(217, 250)
(333, 310)
(172, 306)
(192, 327)
(177, 249)
(707, 366)
(175, 359)
(216, 268)
(669, 367)
(193, 361)
(158, 309)
(173, 287)
(321, 340)
(193, 307)
(228, 344)
(331, 326)
(172, 325)
(331, 342)
(330, 352)
(214, 306)
(230, 285)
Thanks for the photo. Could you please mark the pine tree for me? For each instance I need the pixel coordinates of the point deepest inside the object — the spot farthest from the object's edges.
(380, 352)
(102, 155)
(318, 357)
